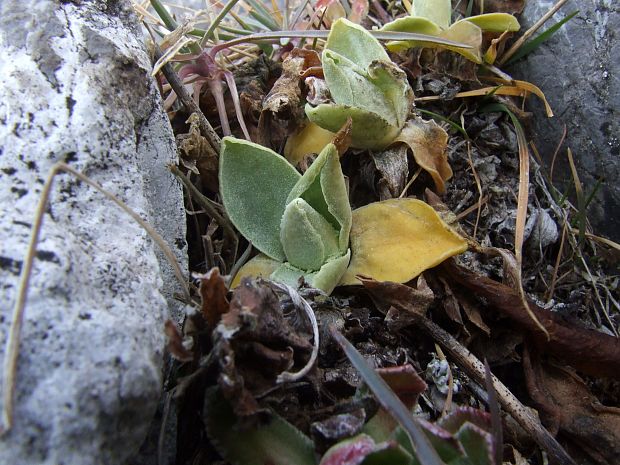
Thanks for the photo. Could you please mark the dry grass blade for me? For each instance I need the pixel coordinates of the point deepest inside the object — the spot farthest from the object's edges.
(524, 179)
(558, 260)
(581, 201)
(206, 129)
(300, 303)
(379, 35)
(478, 186)
(599, 239)
(496, 419)
(520, 89)
(12, 344)
(526, 87)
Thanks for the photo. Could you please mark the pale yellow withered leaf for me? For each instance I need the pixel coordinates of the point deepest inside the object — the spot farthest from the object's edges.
(397, 239)
(311, 139)
(260, 266)
(428, 141)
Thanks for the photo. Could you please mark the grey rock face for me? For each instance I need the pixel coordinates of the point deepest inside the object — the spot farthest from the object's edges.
(579, 72)
(76, 88)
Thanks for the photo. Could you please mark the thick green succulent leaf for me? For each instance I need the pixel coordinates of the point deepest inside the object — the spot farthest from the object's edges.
(437, 11)
(323, 187)
(326, 279)
(464, 32)
(415, 24)
(494, 22)
(356, 43)
(349, 84)
(254, 184)
(392, 81)
(307, 237)
(288, 274)
(275, 442)
(369, 130)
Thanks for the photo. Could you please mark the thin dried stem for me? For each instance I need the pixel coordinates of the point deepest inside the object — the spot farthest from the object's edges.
(475, 368)
(190, 105)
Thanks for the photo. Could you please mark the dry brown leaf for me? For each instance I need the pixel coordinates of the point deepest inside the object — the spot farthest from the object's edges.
(406, 303)
(393, 167)
(213, 294)
(175, 343)
(577, 413)
(428, 142)
(590, 351)
(195, 149)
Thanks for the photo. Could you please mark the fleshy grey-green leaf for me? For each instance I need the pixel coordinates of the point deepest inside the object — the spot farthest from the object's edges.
(369, 130)
(328, 277)
(323, 187)
(307, 237)
(254, 184)
(437, 11)
(354, 42)
(351, 85)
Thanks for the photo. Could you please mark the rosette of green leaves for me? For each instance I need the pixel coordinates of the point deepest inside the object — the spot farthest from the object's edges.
(301, 224)
(434, 18)
(365, 85)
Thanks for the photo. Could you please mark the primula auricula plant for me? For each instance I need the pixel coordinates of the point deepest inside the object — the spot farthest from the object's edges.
(434, 18)
(304, 226)
(366, 86)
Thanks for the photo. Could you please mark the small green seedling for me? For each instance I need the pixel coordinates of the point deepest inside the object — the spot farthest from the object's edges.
(433, 17)
(304, 226)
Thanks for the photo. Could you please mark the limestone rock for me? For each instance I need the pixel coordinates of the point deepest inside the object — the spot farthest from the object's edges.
(76, 88)
(579, 72)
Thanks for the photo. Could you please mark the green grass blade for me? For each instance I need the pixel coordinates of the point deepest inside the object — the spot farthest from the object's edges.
(164, 15)
(531, 45)
(216, 22)
(390, 402)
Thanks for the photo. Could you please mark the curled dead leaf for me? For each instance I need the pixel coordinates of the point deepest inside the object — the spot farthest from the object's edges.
(428, 142)
(213, 295)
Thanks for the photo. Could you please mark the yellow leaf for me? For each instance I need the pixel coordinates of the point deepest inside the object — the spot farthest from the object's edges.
(428, 141)
(260, 266)
(311, 139)
(397, 239)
